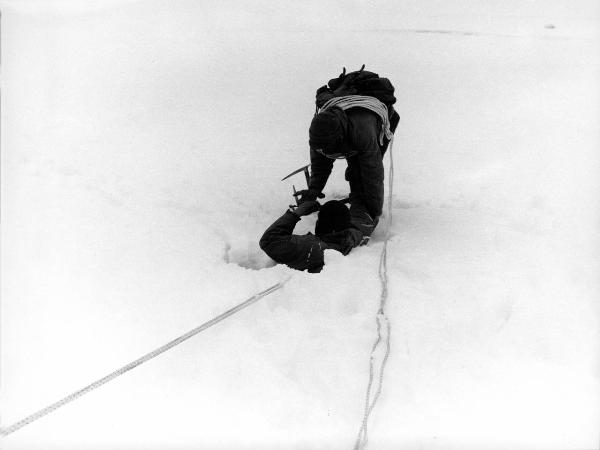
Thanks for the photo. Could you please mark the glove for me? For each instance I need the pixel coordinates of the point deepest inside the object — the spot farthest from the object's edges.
(306, 208)
(307, 195)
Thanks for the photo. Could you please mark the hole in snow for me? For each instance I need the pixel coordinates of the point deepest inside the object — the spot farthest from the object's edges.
(249, 256)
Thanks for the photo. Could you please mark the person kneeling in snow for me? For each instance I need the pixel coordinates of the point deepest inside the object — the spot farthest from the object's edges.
(337, 228)
(357, 128)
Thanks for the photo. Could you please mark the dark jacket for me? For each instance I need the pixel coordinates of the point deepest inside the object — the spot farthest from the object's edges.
(365, 171)
(305, 252)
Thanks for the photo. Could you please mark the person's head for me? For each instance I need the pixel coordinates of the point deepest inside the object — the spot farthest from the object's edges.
(333, 216)
(327, 131)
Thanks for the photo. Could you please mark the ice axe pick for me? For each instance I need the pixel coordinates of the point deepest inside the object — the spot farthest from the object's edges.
(306, 175)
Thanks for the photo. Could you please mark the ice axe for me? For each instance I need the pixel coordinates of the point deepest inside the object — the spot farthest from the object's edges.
(303, 168)
(306, 175)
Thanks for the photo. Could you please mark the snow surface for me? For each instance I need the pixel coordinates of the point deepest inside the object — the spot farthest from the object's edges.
(142, 148)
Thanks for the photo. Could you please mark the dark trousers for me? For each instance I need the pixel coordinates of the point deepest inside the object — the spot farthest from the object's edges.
(358, 211)
(361, 218)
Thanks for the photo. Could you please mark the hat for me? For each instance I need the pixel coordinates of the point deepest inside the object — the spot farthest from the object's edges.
(333, 216)
(327, 129)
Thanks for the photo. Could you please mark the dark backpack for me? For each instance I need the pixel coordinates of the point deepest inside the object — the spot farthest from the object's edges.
(360, 82)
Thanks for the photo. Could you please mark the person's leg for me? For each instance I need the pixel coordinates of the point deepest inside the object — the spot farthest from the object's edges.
(361, 218)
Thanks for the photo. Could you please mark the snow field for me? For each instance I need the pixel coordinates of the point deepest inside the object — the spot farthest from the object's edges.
(142, 153)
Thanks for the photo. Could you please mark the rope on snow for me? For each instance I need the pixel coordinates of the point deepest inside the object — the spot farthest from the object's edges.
(96, 384)
(383, 335)
(383, 324)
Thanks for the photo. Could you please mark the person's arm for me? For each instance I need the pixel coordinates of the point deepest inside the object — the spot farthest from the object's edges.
(278, 241)
(320, 170)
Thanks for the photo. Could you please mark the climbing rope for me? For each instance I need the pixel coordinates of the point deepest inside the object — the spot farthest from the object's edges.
(96, 384)
(375, 383)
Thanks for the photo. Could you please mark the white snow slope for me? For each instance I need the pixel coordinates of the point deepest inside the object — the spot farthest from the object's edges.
(143, 145)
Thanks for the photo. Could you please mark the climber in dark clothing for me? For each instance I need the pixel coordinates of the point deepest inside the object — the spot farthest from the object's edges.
(357, 128)
(353, 134)
(337, 228)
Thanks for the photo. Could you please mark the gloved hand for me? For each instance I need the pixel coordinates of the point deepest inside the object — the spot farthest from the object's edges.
(307, 195)
(306, 208)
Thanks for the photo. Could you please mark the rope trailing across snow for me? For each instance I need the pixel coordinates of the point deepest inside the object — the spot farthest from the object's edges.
(96, 384)
(383, 325)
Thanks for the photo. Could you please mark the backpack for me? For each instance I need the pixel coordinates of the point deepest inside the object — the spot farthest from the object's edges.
(360, 82)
